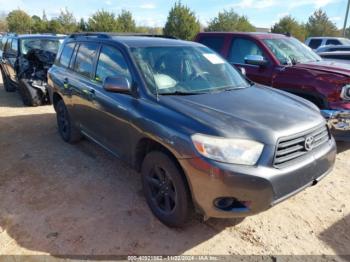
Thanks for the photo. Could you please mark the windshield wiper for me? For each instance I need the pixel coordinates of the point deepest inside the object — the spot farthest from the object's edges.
(180, 93)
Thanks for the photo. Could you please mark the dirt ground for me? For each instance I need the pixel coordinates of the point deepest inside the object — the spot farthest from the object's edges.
(61, 199)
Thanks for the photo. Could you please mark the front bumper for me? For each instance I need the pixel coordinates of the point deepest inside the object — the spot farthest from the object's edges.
(339, 123)
(257, 188)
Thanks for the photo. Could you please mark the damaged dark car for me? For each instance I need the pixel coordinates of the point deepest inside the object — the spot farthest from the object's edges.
(24, 65)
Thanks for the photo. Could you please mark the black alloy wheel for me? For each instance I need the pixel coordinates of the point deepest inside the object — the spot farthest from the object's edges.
(166, 189)
(162, 189)
(67, 129)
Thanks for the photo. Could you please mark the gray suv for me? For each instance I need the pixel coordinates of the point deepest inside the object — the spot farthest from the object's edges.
(203, 137)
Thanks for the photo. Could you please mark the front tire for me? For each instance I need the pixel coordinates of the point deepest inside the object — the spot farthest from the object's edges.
(31, 97)
(66, 127)
(165, 189)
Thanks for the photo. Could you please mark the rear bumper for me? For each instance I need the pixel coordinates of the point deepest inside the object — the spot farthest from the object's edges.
(255, 188)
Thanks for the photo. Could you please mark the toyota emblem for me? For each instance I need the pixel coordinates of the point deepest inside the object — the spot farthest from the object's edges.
(309, 141)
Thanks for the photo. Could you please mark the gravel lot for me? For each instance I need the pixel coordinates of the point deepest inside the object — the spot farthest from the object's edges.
(61, 199)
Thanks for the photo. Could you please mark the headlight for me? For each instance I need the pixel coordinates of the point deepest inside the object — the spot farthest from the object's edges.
(227, 150)
(345, 92)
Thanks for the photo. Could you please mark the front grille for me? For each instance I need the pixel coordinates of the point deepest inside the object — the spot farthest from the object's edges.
(291, 149)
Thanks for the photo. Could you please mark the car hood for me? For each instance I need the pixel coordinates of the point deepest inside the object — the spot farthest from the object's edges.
(256, 112)
(327, 66)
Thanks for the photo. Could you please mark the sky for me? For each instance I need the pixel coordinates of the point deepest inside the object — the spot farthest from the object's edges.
(262, 13)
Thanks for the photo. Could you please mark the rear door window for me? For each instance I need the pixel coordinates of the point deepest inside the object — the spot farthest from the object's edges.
(214, 42)
(315, 43)
(84, 61)
(67, 54)
(333, 42)
(111, 63)
(240, 48)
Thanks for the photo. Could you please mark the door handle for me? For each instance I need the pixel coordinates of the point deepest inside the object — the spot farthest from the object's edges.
(90, 93)
(66, 83)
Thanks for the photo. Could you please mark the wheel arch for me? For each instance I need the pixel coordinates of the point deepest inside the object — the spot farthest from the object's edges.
(146, 145)
(56, 97)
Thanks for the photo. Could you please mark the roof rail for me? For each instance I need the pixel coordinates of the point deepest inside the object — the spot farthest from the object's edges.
(145, 35)
(109, 35)
(87, 34)
(48, 33)
(10, 34)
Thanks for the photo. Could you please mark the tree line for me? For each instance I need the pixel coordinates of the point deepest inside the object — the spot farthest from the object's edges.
(181, 22)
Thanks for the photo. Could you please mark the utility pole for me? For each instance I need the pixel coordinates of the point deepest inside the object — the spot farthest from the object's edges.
(346, 18)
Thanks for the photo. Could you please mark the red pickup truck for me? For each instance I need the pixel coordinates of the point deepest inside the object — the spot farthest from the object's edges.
(285, 63)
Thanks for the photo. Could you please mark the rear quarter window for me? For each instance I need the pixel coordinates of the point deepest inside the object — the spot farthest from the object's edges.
(214, 42)
(66, 54)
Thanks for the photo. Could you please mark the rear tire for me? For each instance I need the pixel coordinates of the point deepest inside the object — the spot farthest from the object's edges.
(66, 127)
(29, 97)
(166, 189)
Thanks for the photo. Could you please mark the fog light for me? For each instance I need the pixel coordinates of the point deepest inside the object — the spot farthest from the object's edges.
(224, 203)
(231, 204)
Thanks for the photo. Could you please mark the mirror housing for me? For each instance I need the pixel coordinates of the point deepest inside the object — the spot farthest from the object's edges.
(257, 60)
(117, 84)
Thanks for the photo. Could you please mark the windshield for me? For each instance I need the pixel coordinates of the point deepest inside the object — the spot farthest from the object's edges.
(186, 70)
(291, 51)
(50, 45)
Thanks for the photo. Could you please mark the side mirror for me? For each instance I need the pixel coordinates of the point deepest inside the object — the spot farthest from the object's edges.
(257, 60)
(117, 84)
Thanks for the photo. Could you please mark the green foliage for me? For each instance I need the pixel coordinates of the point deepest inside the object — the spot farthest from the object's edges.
(320, 25)
(3, 25)
(19, 22)
(149, 30)
(288, 24)
(38, 25)
(82, 25)
(181, 22)
(125, 22)
(230, 21)
(67, 22)
(102, 21)
(54, 26)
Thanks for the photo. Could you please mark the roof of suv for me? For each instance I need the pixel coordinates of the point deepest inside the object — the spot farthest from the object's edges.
(137, 40)
(39, 36)
(326, 37)
(257, 35)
